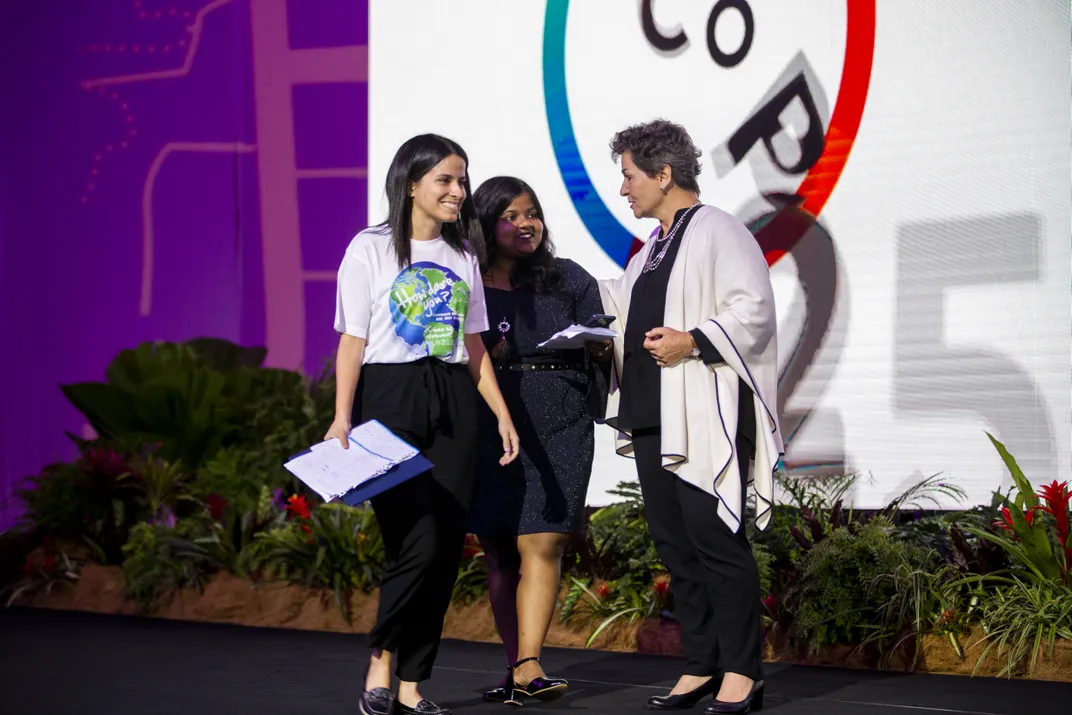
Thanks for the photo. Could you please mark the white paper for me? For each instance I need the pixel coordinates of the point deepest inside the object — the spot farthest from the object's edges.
(332, 471)
(576, 336)
(377, 439)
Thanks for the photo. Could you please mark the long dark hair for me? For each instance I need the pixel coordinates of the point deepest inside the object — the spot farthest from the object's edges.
(413, 160)
(540, 272)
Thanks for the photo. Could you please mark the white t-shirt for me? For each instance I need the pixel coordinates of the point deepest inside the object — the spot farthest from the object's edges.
(423, 310)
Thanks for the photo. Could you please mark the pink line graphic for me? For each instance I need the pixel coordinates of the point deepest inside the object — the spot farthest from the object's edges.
(276, 69)
(100, 84)
(343, 173)
(148, 237)
(191, 51)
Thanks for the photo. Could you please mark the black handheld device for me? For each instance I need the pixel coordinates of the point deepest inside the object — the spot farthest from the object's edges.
(599, 321)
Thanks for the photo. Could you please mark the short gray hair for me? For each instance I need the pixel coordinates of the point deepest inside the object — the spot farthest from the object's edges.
(660, 143)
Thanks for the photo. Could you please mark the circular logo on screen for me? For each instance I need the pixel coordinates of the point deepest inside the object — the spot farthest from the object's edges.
(747, 78)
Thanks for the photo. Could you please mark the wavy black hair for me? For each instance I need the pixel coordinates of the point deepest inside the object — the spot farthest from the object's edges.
(657, 144)
(540, 271)
(415, 158)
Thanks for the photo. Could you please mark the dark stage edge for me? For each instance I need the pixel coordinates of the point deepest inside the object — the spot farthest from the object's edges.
(54, 662)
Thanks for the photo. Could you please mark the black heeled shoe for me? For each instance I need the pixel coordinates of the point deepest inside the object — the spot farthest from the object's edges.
(684, 701)
(754, 701)
(498, 693)
(543, 689)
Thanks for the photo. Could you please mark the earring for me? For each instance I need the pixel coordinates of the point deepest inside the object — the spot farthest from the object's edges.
(662, 188)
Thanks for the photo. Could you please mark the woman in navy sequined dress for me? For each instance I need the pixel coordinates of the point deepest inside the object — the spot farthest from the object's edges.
(525, 512)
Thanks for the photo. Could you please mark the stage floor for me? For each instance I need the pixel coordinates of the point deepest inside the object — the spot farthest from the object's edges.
(55, 663)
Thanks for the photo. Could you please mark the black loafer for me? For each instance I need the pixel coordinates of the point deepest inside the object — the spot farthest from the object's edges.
(378, 701)
(684, 701)
(424, 707)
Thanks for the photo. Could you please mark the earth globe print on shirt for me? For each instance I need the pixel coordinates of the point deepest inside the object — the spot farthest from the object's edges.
(429, 303)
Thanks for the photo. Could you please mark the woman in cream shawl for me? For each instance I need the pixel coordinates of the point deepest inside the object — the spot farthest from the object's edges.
(693, 394)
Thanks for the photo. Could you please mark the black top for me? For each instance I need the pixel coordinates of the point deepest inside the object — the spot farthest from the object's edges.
(524, 318)
(639, 406)
(520, 319)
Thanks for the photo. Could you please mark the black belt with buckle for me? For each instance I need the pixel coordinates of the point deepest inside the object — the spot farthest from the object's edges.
(541, 366)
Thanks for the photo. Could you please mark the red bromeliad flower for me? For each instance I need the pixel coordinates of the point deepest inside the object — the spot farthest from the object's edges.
(1058, 500)
(472, 547)
(603, 591)
(770, 602)
(661, 587)
(106, 462)
(217, 506)
(39, 563)
(298, 506)
(1006, 521)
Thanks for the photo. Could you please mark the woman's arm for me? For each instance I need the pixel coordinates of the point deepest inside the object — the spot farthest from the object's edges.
(589, 303)
(609, 289)
(744, 319)
(348, 361)
(483, 374)
(353, 313)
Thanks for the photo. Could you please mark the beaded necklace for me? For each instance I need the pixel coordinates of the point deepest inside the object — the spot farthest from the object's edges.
(654, 259)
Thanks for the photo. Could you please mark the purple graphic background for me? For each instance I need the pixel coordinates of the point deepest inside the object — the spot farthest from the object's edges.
(171, 169)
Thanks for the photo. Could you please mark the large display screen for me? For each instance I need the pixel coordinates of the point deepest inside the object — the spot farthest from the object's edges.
(904, 164)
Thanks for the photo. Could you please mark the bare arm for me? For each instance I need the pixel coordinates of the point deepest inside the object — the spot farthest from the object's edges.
(348, 361)
(483, 374)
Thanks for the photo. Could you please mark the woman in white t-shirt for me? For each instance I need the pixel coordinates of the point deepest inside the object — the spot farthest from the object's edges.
(410, 311)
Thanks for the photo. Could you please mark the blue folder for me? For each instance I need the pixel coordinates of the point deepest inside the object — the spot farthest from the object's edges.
(391, 478)
(397, 474)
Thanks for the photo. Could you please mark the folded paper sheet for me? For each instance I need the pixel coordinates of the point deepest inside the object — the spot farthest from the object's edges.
(576, 336)
(332, 471)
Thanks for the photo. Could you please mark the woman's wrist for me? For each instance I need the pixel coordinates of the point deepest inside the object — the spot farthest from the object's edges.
(601, 351)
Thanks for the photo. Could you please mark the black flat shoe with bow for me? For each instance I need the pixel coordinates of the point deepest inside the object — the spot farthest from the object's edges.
(754, 701)
(543, 689)
(684, 701)
(424, 707)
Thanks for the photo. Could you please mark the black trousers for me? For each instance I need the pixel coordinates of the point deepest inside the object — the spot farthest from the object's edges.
(713, 574)
(433, 406)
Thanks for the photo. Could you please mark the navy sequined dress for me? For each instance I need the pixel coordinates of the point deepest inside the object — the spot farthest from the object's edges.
(543, 490)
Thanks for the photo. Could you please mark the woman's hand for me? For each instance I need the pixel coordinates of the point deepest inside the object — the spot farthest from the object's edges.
(340, 430)
(599, 349)
(511, 446)
(668, 346)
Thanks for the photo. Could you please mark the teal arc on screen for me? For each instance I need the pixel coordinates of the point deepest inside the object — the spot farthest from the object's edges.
(615, 240)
